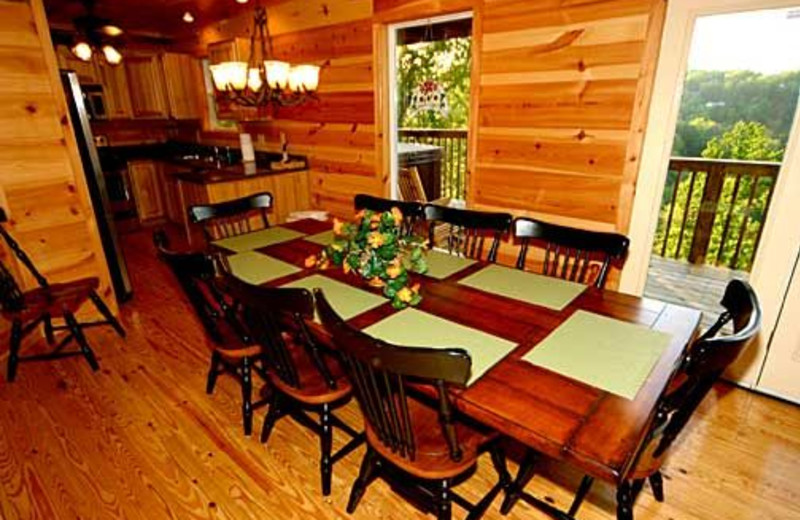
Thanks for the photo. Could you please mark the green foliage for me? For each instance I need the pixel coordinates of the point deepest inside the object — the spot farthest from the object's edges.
(447, 62)
(375, 248)
(747, 140)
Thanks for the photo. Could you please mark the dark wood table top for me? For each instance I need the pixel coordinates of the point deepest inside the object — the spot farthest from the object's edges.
(558, 416)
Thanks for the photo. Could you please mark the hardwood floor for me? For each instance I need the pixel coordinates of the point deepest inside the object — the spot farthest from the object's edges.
(141, 439)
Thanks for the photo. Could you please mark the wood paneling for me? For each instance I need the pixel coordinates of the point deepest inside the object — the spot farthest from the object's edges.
(42, 184)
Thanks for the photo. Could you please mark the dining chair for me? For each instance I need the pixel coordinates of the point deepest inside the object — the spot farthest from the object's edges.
(577, 255)
(701, 367)
(418, 444)
(26, 310)
(232, 350)
(233, 217)
(304, 375)
(413, 213)
(467, 230)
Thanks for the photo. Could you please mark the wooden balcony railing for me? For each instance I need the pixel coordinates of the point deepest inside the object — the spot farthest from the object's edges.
(453, 144)
(713, 210)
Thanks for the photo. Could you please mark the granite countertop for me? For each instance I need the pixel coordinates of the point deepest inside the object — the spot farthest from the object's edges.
(202, 172)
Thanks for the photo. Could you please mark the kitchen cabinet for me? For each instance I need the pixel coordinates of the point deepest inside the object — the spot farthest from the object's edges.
(236, 49)
(86, 70)
(146, 183)
(184, 85)
(173, 206)
(115, 88)
(147, 86)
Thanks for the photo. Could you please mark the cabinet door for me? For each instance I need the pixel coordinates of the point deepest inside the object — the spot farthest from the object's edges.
(146, 182)
(236, 49)
(115, 87)
(146, 82)
(172, 196)
(184, 85)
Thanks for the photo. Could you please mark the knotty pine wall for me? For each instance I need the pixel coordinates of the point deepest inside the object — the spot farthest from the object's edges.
(560, 96)
(42, 186)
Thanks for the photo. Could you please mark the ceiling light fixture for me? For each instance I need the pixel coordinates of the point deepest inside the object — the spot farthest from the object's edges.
(82, 51)
(111, 30)
(187, 17)
(113, 57)
(95, 34)
(241, 1)
(262, 80)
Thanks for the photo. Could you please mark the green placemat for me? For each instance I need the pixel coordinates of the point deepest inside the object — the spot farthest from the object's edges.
(323, 239)
(258, 239)
(553, 293)
(441, 265)
(257, 268)
(603, 352)
(415, 328)
(347, 301)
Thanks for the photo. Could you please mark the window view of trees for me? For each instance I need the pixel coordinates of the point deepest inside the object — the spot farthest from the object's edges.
(731, 115)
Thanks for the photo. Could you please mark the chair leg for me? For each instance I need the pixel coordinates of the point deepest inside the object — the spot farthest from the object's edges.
(444, 508)
(13, 354)
(104, 310)
(657, 485)
(624, 502)
(213, 372)
(247, 396)
(77, 333)
(273, 414)
(49, 334)
(325, 443)
(513, 491)
(370, 467)
(583, 490)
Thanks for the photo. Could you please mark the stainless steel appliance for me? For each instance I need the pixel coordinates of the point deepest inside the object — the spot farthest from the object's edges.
(95, 101)
(95, 180)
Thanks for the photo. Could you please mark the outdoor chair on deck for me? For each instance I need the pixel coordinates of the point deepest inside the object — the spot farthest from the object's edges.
(27, 310)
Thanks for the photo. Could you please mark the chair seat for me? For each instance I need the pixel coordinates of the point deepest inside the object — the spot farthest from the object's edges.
(55, 300)
(312, 387)
(432, 459)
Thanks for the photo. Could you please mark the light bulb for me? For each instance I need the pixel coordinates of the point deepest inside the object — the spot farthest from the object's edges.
(254, 81)
(113, 57)
(187, 17)
(237, 74)
(309, 77)
(277, 73)
(82, 51)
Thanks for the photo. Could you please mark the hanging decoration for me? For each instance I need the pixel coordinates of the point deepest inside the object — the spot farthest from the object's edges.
(430, 96)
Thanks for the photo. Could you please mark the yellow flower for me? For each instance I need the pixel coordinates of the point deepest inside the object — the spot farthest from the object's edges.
(346, 267)
(415, 288)
(375, 239)
(324, 264)
(394, 270)
(338, 226)
(398, 216)
(405, 295)
(311, 261)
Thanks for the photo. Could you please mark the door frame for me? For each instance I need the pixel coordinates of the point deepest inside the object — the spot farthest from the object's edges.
(774, 260)
(391, 90)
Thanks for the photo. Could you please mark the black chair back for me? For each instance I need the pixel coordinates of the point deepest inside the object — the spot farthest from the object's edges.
(196, 273)
(570, 253)
(380, 372)
(233, 217)
(705, 361)
(273, 315)
(412, 211)
(11, 295)
(467, 230)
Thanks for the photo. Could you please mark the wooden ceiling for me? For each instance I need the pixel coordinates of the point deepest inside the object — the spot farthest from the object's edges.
(149, 17)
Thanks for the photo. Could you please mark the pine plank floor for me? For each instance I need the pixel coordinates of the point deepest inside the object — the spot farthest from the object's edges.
(141, 439)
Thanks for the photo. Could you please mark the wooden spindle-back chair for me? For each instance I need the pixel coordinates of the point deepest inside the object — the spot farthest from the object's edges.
(233, 217)
(26, 310)
(468, 230)
(413, 213)
(304, 375)
(704, 362)
(232, 350)
(573, 254)
(406, 435)
(409, 183)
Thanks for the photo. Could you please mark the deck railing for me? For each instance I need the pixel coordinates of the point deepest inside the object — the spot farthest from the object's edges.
(454, 156)
(713, 210)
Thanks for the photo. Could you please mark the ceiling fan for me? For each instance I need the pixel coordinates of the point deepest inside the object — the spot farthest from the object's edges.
(93, 33)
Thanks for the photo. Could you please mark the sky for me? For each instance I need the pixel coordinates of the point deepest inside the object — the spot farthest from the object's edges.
(763, 41)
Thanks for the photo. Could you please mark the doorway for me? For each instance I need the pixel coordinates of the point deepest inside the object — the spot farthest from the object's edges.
(720, 171)
(429, 82)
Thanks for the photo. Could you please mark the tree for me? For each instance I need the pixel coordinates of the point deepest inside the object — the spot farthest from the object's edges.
(747, 140)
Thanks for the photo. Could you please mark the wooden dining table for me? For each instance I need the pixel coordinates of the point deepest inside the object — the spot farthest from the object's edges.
(592, 429)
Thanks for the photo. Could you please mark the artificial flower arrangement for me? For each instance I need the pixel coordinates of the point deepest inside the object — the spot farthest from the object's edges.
(375, 247)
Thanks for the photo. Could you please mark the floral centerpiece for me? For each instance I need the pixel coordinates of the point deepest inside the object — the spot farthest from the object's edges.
(374, 247)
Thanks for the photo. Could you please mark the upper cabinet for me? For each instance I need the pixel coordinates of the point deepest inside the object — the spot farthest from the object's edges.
(228, 50)
(115, 87)
(184, 84)
(87, 71)
(147, 86)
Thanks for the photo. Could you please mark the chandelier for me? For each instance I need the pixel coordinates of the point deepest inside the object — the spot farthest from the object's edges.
(95, 34)
(262, 80)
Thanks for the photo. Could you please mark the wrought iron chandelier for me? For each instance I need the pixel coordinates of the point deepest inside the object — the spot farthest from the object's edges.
(262, 80)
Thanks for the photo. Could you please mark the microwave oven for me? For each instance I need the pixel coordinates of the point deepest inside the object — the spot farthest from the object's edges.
(95, 102)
